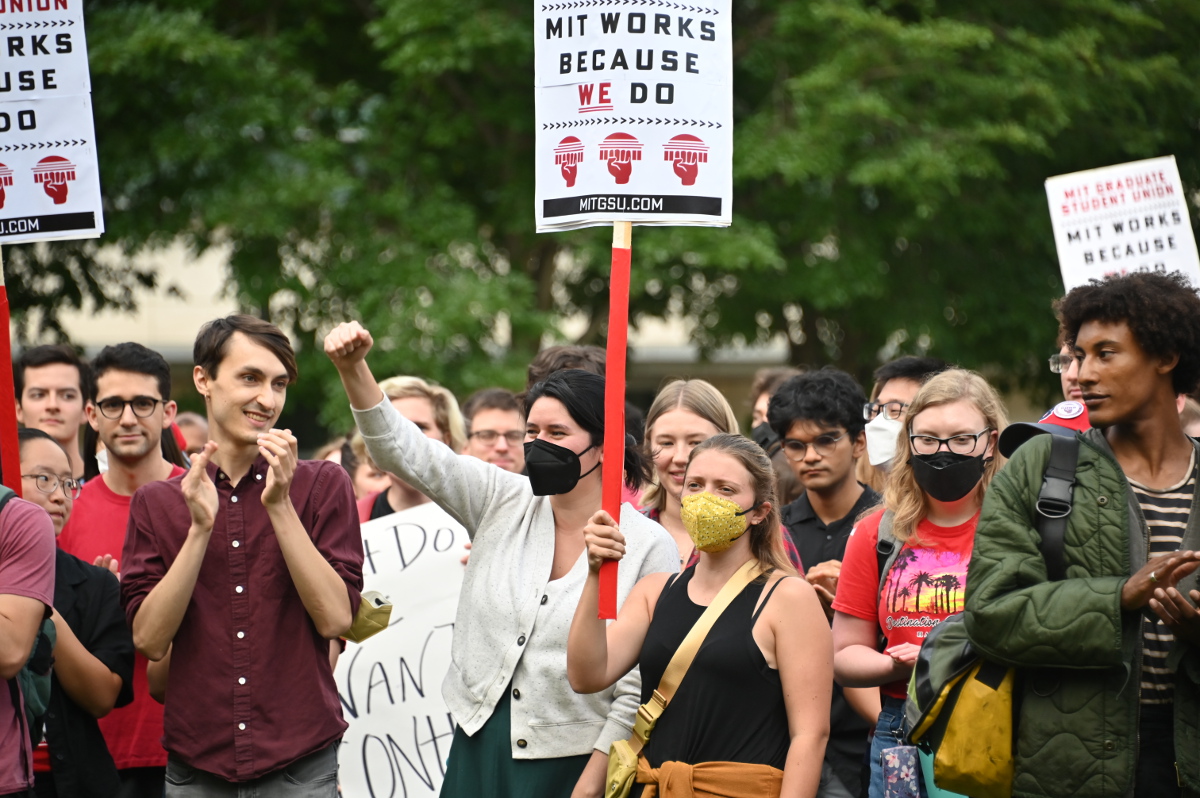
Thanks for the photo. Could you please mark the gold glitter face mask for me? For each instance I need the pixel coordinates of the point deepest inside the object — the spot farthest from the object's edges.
(713, 522)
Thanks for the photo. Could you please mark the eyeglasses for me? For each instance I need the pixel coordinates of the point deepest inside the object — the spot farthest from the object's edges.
(488, 437)
(143, 406)
(822, 445)
(958, 444)
(892, 410)
(1060, 363)
(48, 483)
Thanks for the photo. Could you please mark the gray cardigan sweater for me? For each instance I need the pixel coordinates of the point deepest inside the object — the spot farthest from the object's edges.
(510, 632)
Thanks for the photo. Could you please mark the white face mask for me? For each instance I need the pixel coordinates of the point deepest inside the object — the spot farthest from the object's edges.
(881, 439)
(102, 460)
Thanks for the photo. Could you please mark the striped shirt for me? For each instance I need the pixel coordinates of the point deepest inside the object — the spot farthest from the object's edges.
(1166, 513)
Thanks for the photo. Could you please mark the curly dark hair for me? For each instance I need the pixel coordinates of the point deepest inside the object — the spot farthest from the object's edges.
(1162, 311)
(828, 396)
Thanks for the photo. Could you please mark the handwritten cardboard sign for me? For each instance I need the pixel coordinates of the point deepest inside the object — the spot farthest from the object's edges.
(391, 685)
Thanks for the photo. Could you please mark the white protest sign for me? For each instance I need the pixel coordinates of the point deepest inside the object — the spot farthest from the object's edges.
(391, 685)
(42, 49)
(49, 173)
(1124, 218)
(634, 113)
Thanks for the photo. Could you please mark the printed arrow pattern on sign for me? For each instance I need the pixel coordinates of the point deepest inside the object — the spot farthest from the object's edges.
(41, 145)
(628, 121)
(53, 23)
(658, 3)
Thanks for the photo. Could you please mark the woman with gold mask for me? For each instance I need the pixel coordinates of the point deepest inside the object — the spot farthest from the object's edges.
(751, 714)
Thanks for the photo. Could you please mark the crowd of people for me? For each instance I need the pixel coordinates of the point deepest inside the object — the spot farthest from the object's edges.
(176, 588)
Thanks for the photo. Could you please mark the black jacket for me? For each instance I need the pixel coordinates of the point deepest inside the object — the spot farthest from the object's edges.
(88, 599)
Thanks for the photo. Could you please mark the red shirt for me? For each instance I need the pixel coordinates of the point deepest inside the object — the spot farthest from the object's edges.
(925, 585)
(26, 569)
(97, 527)
(251, 690)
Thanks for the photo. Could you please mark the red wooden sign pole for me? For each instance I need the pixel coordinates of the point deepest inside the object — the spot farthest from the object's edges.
(614, 400)
(10, 452)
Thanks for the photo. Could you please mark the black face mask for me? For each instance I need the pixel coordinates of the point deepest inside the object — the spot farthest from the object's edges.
(947, 476)
(765, 437)
(553, 469)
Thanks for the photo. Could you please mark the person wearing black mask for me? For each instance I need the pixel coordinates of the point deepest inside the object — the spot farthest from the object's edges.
(521, 730)
(945, 458)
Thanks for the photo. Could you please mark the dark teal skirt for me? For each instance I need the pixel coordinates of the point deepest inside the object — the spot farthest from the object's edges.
(482, 766)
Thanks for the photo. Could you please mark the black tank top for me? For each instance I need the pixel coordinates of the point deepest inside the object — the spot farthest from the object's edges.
(729, 706)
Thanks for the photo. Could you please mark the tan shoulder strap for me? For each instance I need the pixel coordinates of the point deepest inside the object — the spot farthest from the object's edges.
(677, 668)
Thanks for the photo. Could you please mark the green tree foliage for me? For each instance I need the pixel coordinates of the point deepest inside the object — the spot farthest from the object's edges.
(373, 159)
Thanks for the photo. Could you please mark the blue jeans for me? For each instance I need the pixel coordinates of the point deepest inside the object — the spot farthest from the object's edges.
(312, 776)
(889, 733)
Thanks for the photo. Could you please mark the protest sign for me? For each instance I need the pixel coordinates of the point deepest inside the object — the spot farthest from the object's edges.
(1119, 219)
(49, 173)
(634, 113)
(49, 176)
(391, 684)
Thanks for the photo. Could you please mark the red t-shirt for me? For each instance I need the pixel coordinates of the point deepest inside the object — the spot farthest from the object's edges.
(924, 586)
(97, 527)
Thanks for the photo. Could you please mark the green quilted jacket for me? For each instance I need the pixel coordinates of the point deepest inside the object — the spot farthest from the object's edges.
(1079, 654)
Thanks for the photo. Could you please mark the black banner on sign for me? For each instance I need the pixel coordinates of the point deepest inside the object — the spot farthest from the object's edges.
(631, 203)
(54, 223)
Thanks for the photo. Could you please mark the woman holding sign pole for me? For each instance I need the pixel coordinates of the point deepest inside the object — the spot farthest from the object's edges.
(745, 714)
(521, 729)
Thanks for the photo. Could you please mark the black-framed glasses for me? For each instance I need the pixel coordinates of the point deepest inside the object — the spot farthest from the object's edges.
(48, 483)
(822, 445)
(892, 410)
(143, 406)
(488, 437)
(959, 444)
(1060, 363)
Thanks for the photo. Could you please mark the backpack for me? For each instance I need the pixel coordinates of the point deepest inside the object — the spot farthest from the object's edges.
(33, 680)
(960, 708)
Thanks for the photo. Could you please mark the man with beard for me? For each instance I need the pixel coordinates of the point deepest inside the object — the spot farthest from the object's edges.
(131, 407)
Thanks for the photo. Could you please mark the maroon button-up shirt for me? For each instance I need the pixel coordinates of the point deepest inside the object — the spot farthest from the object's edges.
(251, 690)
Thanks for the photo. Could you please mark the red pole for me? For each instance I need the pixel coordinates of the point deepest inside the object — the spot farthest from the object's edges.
(614, 400)
(10, 452)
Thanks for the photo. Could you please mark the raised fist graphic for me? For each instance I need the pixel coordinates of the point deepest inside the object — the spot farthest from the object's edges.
(620, 150)
(6, 180)
(568, 154)
(686, 152)
(54, 172)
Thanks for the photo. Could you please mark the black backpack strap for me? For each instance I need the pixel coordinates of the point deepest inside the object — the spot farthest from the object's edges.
(887, 548)
(1054, 502)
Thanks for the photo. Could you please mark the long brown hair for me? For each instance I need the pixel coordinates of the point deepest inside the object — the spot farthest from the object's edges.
(766, 537)
(902, 495)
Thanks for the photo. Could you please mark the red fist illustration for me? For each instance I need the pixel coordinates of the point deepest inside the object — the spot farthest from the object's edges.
(6, 180)
(621, 170)
(621, 150)
(686, 152)
(54, 172)
(568, 155)
(56, 192)
(687, 172)
(569, 173)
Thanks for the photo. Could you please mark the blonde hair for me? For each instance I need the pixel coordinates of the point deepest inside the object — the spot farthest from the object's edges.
(694, 396)
(766, 537)
(908, 503)
(446, 415)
